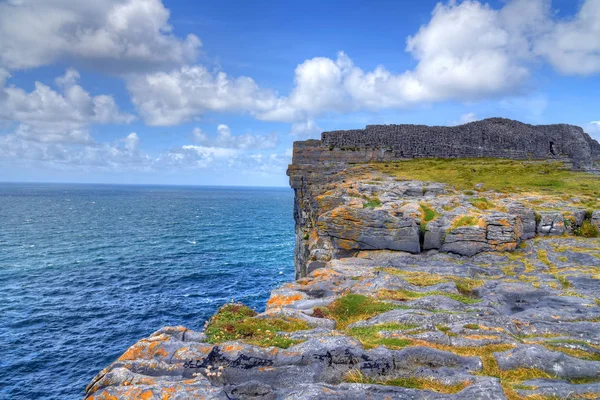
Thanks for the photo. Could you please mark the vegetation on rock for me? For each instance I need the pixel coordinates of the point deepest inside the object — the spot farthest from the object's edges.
(236, 321)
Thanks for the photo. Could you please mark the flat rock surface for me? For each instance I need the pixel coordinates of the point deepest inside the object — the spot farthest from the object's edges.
(492, 326)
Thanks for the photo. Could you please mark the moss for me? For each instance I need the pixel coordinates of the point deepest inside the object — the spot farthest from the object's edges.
(355, 376)
(236, 322)
(471, 326)
(355, 307)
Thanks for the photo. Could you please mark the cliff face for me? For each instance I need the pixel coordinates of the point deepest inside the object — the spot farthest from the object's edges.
(331, 224)
(408, 289)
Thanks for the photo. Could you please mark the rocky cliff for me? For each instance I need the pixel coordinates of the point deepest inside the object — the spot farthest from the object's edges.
(331, 224)
(422, 279)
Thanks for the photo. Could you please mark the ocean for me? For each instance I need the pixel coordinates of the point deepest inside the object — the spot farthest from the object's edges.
(87, 270)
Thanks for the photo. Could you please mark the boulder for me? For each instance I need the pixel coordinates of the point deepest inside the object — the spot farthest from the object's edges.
(366, 229)
(466, 240)
(551, 224)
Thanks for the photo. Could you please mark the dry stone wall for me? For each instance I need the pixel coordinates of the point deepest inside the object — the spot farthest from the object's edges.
(493, 137)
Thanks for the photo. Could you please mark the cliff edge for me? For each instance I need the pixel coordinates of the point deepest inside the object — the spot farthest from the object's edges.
(418, 278)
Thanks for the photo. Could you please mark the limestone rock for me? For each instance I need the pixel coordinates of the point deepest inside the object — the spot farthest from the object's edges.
(364, 229)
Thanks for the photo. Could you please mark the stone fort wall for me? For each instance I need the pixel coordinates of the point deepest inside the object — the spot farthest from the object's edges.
(494, 138)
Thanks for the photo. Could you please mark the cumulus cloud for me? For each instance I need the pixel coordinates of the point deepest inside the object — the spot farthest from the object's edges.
(225, 139)
(88, 155)
(48, 115)
(118, 35)
(573, 46)
(467, 51)
(180, 95)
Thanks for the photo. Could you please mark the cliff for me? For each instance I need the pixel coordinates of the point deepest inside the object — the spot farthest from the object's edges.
(417, 279)
(317, 165)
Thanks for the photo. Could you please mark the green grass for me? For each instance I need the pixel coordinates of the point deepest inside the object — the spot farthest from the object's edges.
(465, 220)
(471, 326)
(405, 295)
(370, 338)
(507, 176)
(355, 307)
(236, 321)
(411, 382)
(587, 230)
(372, 202)
(428, 213)
(482, 203)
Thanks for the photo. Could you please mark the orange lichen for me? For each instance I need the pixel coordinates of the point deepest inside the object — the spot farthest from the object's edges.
(231, 348)
(280, 301)
(144, 350)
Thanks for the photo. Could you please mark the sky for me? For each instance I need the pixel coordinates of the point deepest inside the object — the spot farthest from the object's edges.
(216, 92)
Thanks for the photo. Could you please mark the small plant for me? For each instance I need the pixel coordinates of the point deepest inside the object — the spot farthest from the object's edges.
(471, 326)
(587, 229)
(306, 236)
(354, 307)
(236, 321)
(372, 203)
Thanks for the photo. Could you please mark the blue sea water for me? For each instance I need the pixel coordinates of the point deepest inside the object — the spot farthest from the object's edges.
(87, 270)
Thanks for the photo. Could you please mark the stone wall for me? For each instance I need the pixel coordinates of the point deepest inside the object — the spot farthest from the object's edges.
(493, 137)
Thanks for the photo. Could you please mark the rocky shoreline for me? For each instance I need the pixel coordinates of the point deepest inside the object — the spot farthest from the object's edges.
(406, 289)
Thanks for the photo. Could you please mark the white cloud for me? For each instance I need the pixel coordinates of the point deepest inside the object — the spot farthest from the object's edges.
(46, 115)
(306, 129)
(573, 46)
(225, 139)
(467, 51)
(188, 92)
(119, 35)
(88, 155)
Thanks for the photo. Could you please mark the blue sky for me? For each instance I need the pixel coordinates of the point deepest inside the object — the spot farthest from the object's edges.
(215, 92)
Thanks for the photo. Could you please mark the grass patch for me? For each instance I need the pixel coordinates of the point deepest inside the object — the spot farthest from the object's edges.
(372, 202)
(370, 337)
(506, 176)
(587, 230)
(428, 213)
(355, 376)
(355, 307)
(471, 326)
(236, 321)
(465, 286)
(465, 220)
(405, 295)
(482, 203)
